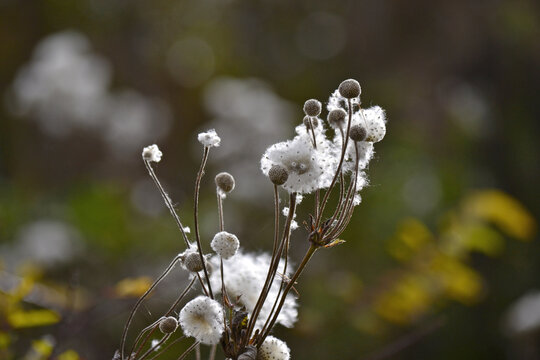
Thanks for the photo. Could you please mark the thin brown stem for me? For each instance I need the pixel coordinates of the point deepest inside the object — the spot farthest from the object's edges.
(273, 267)
(196, 216)
(220, 211)
(140, 300)
(159, 353)
(167, 200)
(338, 171)
(212, 355)
(188, 351)
(155, 347)
(291, 283)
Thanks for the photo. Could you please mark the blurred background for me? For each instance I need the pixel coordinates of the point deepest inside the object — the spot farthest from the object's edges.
(442, 258)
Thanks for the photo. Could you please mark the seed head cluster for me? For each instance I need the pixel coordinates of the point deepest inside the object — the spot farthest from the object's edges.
(246, 294)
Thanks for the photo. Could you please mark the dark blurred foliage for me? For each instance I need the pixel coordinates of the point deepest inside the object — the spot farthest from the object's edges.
(459, 81)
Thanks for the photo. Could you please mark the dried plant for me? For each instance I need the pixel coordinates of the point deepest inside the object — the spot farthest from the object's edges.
(245, 295)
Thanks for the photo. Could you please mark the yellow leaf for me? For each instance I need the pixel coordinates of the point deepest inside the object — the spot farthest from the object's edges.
(409, 299)
(32, 318)
(5, 340)
(334, 243)
(133, 287)
(43, 347)
(68, 355)
(503, 210)
(411, 237)
(481, 238)
(460, 282)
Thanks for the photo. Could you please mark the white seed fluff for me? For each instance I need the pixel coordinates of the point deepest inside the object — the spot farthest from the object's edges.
(209, 138)
(152, 153)
(308, 168)
(225, 244)
(375, 121)
(273, 349)
(244, 279)
(202, 318)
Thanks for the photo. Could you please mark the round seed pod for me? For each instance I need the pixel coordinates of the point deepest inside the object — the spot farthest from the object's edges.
(337, 117)
(225, 182)
(349, 89)
(168, 325)
(358, 133)
(192, 261)
(278, 175)
(307, 122)
(312, 107)
(250, 353)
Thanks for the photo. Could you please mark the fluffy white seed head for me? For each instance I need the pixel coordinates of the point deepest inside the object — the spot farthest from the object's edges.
(273, 349)
(308, 168)
(209, 138)
(152, 153)
(375, 120)
(244, 279)
(225, 244)
(202, 318)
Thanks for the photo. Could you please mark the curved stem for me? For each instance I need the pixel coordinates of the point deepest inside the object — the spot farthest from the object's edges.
(274, 263)
(160, 352)
(338, 171)
(138, 303)
(196, 217)
(291, 283)
(189, 350)
(167, 200)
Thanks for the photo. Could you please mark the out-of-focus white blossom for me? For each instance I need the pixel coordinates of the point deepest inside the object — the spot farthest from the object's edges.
(524, 314)
(66, 88)
(249, 114)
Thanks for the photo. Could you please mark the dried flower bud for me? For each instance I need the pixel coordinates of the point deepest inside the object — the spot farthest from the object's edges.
(312, 107)
(349, 89)
(278, 175)
(358, 133)
(310, 121)
(250, 353)
(192, 260)
(168, 325)
(225, 182)
(337, 117)
(307, 122)
(152, 153)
